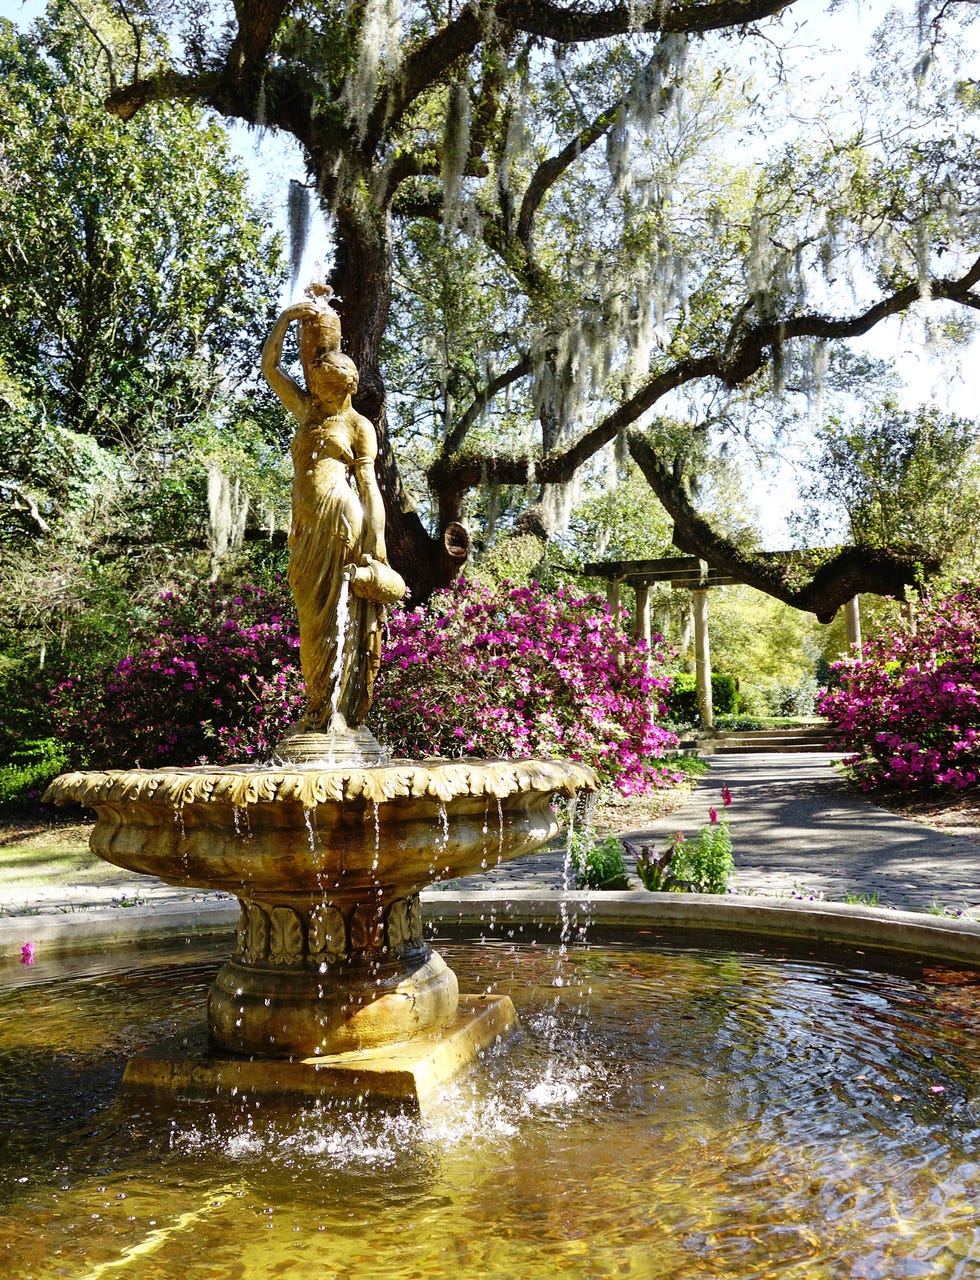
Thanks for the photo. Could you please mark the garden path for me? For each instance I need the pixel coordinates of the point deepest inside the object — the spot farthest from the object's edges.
(800, 831)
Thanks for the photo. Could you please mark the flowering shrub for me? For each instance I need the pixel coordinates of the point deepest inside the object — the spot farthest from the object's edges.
(703, 864)
(515, 672)
(909, 705)
(212, 676)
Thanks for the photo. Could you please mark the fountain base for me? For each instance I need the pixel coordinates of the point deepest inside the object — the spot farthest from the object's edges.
(407, 1075)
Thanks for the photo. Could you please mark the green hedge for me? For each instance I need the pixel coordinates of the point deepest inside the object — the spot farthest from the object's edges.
(682, 701)
(29, 770)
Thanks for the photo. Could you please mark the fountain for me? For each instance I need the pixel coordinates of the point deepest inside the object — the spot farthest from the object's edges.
(736, 1108)
(333, 989)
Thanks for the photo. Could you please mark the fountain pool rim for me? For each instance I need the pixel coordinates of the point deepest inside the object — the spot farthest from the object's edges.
(746, 918)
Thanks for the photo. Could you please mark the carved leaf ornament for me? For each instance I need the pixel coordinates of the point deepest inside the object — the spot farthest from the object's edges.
(245, 786)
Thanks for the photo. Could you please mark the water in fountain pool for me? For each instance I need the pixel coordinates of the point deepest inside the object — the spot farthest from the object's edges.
(664, 1113)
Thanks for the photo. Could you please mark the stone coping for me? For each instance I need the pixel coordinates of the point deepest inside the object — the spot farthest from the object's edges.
(247, 786)
(749, 918)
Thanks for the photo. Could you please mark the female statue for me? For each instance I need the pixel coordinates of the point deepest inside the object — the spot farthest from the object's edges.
(338, 570)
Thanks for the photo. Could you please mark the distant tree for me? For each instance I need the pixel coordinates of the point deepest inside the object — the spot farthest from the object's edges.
(899, 478)
(770, 649)
(135, 281)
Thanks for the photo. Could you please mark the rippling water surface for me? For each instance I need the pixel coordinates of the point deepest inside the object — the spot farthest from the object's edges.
(663, 1113)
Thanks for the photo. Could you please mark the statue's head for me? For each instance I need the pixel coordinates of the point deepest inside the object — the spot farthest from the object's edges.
(331, 376)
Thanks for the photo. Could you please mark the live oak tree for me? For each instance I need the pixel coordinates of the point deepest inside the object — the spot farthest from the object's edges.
(612, 204)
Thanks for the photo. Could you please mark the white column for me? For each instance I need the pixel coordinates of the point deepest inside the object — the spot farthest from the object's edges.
(613, 600)
(702, 658)
(641, 623)
(852, 614)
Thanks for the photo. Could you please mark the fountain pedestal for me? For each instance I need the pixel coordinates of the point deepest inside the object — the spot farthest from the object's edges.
(408, 1075)
(314, 979)
(332, 973)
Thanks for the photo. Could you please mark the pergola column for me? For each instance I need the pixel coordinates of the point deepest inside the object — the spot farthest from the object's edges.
(702, 657)
(852, 615)
(641, 622)
(614, 599)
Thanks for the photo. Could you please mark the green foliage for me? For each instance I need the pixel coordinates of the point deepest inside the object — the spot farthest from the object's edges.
(618, 518)
(598, 864)
(141, 272)
(655, 871)
(689, 766)
(682, 700)
(734, 723)
(30, 768)
(901, 478)
(703, 864)
(510, 559)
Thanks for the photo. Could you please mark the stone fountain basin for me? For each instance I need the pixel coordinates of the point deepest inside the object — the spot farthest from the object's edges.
(281, 833)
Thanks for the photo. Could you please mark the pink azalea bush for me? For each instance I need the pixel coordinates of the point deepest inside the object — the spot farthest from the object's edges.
(909, 705)
(514, 671)
(212, 676)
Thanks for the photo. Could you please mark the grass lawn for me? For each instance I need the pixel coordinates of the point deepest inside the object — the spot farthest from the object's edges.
(31, 850)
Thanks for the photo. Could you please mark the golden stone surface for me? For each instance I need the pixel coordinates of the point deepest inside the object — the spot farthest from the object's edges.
(328, 847)
(327, 865)
(408, 1075)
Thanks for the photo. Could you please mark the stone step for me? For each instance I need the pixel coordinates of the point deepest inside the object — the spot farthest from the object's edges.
(813, 738)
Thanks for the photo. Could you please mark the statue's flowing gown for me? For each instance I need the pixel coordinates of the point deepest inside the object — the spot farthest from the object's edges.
(325, 539)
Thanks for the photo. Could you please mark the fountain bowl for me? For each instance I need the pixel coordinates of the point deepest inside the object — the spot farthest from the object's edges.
(327, 862)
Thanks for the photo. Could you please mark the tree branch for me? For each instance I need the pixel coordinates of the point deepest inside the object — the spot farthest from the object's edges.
(493, 388)
(258, 22)
(576, 25)
(455, 475)
(163, 86)
(429, 61)
(550, 170)
(749, 352)
(806, 580)
(24, 504)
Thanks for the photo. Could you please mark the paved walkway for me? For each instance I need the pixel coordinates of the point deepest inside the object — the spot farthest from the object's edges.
(798, 831)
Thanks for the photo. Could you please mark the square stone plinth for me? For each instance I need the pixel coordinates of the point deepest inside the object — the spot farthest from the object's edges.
(406, 1076)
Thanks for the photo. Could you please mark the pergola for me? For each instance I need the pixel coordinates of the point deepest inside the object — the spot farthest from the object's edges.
(685, 573)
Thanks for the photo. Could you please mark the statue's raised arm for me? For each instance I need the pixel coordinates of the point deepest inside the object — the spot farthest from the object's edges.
(293, 396)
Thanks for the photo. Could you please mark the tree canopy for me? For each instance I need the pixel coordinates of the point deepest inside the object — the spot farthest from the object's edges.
(135, 282)
(557, 223)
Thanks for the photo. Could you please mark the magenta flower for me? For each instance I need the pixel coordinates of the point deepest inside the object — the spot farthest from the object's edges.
(27, 955)
(713, 816)
(909, 705)
(726, 796)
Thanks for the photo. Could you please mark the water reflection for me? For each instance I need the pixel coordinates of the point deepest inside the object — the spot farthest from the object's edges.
(661, 1114)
